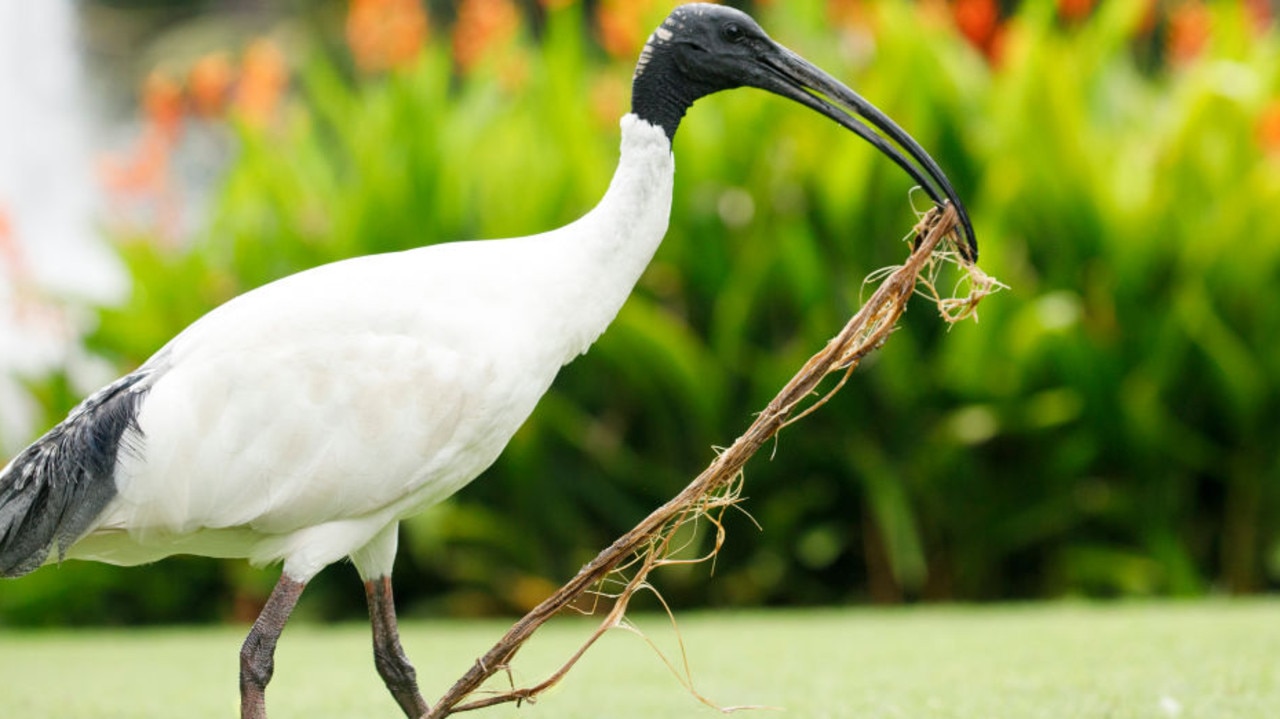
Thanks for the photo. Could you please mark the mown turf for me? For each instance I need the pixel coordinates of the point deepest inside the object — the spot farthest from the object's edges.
(1215, 660)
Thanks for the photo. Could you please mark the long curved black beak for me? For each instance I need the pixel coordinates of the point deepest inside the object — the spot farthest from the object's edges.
(791, 76)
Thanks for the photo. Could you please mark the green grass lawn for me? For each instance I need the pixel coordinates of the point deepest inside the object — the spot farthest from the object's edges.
(1214, 660)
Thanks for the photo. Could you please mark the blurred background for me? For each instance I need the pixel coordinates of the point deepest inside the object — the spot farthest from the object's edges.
(1109, 428)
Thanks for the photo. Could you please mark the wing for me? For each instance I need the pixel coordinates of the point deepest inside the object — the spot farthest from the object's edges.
(334, 394)
(54, 489)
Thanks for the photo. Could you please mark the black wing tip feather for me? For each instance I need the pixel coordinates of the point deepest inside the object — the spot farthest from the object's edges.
(54, 489)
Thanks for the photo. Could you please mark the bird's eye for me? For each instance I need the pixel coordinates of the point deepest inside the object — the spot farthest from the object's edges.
(733, 32)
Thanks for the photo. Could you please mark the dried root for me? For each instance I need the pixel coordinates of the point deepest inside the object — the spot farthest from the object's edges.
(621, 570)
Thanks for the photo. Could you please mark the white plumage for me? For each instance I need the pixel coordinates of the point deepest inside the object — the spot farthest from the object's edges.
(300, 420)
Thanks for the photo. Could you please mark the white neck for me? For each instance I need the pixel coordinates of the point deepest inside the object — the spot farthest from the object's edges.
(610, 247)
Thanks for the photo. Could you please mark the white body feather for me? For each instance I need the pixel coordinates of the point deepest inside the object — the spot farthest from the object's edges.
(301, 421)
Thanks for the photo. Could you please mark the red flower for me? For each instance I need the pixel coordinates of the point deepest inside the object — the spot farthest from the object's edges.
(979, 21)
(1260, 13)
(1074, 10)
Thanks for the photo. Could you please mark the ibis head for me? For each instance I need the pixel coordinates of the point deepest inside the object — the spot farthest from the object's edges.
(702, 49)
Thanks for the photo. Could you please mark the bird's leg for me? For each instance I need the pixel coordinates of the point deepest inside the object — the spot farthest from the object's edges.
(394, 667)
(257, 655)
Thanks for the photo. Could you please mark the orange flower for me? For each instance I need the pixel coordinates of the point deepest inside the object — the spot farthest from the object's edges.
(1074, 10)
(162, 103)
(142, 176)
(934, 14)
(483, 27)
(209, 83)
(385, 34)
(1190, 26)
(1269, 129)
(848, 13)
(143, 171)
(622, 27)
(979, 21)
(264, 75)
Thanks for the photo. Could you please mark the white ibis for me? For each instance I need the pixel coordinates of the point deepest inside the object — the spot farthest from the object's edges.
(302, 421)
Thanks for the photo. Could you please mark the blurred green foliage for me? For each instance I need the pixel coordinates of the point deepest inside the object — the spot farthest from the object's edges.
(1107, 429)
